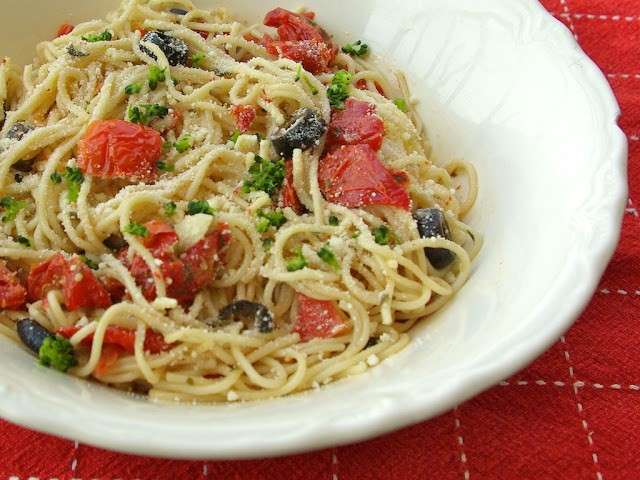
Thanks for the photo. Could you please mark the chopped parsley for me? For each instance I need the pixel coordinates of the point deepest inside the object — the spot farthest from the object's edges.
(401, 103)
(166, 146)
(11, 208)
(98, 37)
(183, 144)
(267, 243)
(338, 91)
(334, 221)
(264, 175)
(23, 241)
(199, 206)
(328, 257)
(143, 114)
(89, 263)
(301, 75)
(197, 59)
(170, 208)
(57, 353)
(136, 229)
(234, 136)
(298, 262)
(55, 177)
(382, 235)
(165, 167)
(357, 49)
(156, 75)
(133, 88)
(73, 178)
(269, 218)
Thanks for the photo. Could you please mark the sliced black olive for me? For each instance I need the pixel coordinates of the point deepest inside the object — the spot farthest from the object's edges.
(24, 166)
(17, 177)
(178, 11)
(174, 49)
(303, 131)
(19, 130)
(114, 242)
(432, 223)
(32, 334)
(253, 315)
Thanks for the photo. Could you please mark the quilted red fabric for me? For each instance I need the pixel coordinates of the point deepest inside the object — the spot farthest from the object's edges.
(573, 414)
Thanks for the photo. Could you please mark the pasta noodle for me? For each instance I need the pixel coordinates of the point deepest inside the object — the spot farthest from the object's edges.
(379, 287)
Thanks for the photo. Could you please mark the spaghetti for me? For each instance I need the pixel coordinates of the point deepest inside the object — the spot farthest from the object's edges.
(209, 211)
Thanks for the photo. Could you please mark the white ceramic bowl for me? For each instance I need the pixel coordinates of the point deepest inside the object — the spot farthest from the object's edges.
(501, 84)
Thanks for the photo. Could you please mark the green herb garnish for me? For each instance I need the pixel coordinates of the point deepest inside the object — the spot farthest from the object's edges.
(267, 243)
(334, 221)
(328, 257)
(143, 114)
(197, 59)
(73, 178)
(298, 262)
(136, 229)
(55, 177)
(264, 175)
(357, 49)
(338, 91)
(23, 241)
(234, 136)
(199, 206)
(98, 37)
(170, 209)
(11, 208)
(401, 103)
(382, 235)
(89, 263)
(183, 144)
(269, 218)
(165, 167)
(133, 88)
(57, 353)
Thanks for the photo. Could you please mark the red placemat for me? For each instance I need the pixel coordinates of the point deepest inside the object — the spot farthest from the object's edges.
(573, 414)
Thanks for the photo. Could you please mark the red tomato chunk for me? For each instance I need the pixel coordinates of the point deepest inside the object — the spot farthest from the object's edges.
(354, 177)
(356, 124)
(64, 29)
(318, 319)
(80, 287)
(244, 116)
(123, 338)
(299, 40)
(184, 275)
(289, 197)
(13, 295)
(119, 149)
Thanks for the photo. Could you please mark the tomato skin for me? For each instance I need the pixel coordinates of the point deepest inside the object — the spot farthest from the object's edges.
(202, 33)
(317, 319)
(299, 40)
(354, 176)
(161, 238)
(119, 149)
(356, 124)
(244, 116)
(80, 287)
(184, 276)
(288, 195)
(123, 338)
(108, 357)
(13, 295)
(64, 29)
(362, 85)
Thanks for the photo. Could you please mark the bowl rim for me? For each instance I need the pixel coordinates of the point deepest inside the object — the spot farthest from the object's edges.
(423, 404)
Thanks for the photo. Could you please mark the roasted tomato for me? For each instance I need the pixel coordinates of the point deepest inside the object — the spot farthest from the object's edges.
(185, 275)
(355, 125)
(244, 116)
(64, 29)
(299, 40)
(123, 338)
(119, 149)
(355, 177)
(12, 294)
(80, 287)
(317, 319)
(288, 195)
